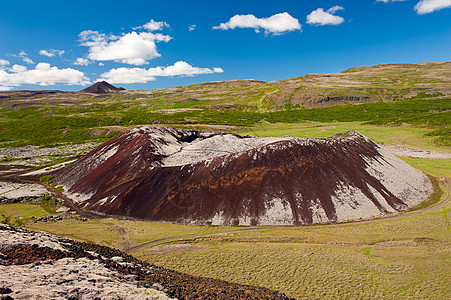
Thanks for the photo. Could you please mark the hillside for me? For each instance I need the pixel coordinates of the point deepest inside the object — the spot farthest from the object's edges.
(387, 82)
(356, 85)
(414, 94)
(195, 177)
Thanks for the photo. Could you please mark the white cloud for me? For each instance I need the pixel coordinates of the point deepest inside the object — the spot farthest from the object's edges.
(43, 74)
(28, 60)
(429, 6)
(131, 48)
(140, 75)
(81, 62)
(320, 17)
(4, 62)
(18, 69)
(154, 25)
(24, 57)
(46, 53)
(51, 52)
(192, 27)
(275, 25)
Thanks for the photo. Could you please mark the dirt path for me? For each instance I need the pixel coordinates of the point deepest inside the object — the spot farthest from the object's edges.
(123, 233)
(445, 202)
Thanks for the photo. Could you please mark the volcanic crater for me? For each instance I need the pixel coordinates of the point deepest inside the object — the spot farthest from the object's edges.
(199, 177)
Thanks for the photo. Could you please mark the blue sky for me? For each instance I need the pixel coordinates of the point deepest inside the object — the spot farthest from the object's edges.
(68, 45)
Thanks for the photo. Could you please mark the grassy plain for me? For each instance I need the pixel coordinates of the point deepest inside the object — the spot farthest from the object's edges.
(14, 211)
(407, 257)
(121, 234)
(392, 259)
(415, 137)
(44, 126)
(440, 167)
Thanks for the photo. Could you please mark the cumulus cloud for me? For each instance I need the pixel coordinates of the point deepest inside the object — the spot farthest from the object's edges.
(18, 69)
(154, 25)
(275, 25)
(43, 74)
(320, 17)
(429, 6)
(4, 62)
(81, 61)
(51, 52)
(141, 75)
(132, 48)
(192, 27)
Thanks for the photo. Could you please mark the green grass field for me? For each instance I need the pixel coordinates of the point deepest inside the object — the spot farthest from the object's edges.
(396, 135)
(440, 167)
(22, 210)
(46, 126)
(121, 233)
(16, 214)
(394, 259)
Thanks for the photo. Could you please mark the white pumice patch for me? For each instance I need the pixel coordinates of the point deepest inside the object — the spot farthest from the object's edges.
(416, 153)
(12, 238)
(350, 202)
(216, 146)
(13, 190)
(48, 169)
(68, 277)
(278, 212)
(414, 186)
(318, 213)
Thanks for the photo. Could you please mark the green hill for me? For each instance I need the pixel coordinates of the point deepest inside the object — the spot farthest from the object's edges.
(393, 94)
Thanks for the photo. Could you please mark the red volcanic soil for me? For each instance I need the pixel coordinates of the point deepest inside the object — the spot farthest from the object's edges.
(196, 177)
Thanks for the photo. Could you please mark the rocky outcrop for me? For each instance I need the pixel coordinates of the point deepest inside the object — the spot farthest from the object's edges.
(13, 192)
(197, 177)
(350, 98)
(69, 269)
(28, 94)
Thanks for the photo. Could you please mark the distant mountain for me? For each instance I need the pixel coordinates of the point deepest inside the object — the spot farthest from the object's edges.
(102, 87)
(199, 177)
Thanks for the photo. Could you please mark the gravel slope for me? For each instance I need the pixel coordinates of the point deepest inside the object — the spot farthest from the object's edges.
(37, 265)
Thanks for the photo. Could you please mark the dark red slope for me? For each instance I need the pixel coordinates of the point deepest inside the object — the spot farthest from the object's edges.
(289, 181)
